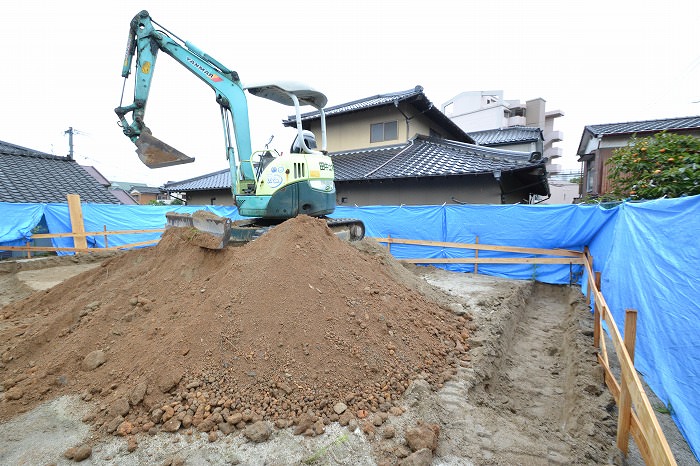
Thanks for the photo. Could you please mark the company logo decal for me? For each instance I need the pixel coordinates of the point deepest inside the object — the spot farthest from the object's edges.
(213, 76)
(273, 180)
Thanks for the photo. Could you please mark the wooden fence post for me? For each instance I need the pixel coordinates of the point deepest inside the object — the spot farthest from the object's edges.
(476, 256)
(624, 418)
(597, 325)
(76, 221)
(587, 253)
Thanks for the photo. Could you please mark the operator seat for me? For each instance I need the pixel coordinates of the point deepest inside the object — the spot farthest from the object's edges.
(309, 139)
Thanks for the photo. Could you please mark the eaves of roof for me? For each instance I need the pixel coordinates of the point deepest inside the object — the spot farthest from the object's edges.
(414, 96)
(426, 156)
(217, 180)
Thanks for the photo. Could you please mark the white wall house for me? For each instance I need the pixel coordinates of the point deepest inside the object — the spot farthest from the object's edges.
(485, 110)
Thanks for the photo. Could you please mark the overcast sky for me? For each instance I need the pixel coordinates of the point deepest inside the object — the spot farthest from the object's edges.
(597, 61)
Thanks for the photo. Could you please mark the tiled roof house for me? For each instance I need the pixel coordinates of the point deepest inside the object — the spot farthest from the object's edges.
(210, 189)
(398, 148)
(428, 170)
(27, 175)
(598, 142)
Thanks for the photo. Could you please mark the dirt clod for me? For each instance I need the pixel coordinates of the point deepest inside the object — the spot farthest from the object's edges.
(423, 436)
(94, 360)
(258, 432)
(79, 453)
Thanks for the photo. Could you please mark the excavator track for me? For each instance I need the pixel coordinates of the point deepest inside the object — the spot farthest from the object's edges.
(348, 229)
(213, 232)
(244, 231)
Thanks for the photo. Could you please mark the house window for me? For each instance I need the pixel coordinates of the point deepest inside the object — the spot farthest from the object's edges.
(519, 111)
(590, 176)
(387, 131)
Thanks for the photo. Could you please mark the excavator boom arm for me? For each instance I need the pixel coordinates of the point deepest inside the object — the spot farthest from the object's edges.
(145, 42)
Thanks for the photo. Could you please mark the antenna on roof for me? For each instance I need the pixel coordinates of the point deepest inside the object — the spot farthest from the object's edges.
(70, 132)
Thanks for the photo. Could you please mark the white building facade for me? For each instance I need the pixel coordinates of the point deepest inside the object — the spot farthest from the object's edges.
(485, 110)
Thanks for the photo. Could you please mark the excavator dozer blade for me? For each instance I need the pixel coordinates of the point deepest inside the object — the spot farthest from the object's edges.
(154, 153)
(207, 230)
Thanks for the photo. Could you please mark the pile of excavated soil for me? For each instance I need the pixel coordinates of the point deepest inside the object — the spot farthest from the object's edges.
(296, 328)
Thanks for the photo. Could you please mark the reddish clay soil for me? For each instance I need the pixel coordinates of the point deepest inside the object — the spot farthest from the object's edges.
(297, 328)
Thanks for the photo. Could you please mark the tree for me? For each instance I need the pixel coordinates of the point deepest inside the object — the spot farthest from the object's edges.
(665, 164)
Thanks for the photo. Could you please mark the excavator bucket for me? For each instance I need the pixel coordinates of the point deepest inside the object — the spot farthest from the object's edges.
(206, 229)
(154, 153)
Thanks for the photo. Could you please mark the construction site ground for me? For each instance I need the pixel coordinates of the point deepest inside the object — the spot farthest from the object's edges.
(518, 384)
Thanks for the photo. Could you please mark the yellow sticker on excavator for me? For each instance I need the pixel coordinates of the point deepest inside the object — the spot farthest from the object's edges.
(146, 67)
(314, 174)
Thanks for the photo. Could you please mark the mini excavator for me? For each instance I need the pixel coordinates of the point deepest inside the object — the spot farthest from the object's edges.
(267, 188)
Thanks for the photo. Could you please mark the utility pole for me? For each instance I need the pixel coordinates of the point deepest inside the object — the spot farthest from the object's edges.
(69, 132)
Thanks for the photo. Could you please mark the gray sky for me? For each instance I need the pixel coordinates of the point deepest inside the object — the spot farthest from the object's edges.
(597, 61)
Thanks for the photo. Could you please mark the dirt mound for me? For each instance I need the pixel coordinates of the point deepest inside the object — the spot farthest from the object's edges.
(297, 327)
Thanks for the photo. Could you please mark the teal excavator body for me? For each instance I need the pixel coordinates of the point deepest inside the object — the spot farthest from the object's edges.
(267, 188)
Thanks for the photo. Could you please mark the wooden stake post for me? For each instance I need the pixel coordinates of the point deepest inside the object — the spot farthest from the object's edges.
(596, 316)
(76, 221)
(624, 419)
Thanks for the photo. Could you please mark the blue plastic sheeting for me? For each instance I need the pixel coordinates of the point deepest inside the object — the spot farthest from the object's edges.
(648, 255)
(650, 262)
(18, 221)
(534, 226)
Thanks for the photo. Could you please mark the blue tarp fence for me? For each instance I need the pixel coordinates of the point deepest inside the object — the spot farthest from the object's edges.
(648, 254)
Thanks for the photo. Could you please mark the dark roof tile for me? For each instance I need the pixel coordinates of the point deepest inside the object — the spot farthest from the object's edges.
(367, 102)
(216, 180)
(425, 156)
(27, 175)
(632, 127)
(510, 135)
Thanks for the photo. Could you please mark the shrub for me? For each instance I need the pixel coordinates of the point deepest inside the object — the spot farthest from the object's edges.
(663, 165)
